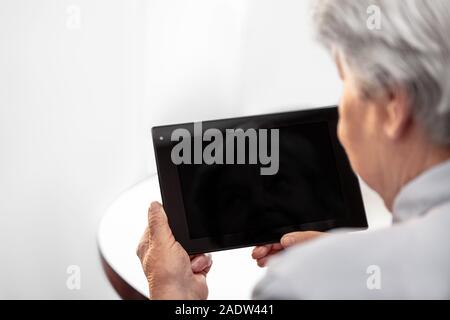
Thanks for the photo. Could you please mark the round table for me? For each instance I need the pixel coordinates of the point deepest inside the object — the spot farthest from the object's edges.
(233, 274)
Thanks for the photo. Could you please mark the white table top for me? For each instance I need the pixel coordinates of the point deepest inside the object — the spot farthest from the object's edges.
(233, 274)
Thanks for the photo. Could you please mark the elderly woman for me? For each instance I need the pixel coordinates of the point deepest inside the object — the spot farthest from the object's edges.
(395, 127)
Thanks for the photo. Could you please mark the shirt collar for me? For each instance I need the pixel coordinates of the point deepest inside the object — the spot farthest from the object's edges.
(424, 192)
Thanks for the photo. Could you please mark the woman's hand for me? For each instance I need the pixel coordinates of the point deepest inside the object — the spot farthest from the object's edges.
(263, 253)
(170, 272)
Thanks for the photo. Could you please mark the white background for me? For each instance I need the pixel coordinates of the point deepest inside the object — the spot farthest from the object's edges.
(77, 104)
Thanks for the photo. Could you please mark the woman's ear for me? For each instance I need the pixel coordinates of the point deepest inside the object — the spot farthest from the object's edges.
(398, 114)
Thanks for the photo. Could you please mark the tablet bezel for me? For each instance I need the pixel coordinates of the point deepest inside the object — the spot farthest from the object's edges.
(172, 197)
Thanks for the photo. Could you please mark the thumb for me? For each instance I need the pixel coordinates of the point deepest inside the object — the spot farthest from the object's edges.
(294, 238)
(158, 225)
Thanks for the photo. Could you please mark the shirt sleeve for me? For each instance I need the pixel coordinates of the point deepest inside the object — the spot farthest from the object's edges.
(272, 288)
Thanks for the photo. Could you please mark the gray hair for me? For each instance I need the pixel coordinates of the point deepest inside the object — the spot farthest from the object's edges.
(410, 50)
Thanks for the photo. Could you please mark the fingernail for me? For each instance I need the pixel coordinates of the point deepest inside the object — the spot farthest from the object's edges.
(288, 240)
(257, 251)
(260, 251)
(154, 207)
(195, 264)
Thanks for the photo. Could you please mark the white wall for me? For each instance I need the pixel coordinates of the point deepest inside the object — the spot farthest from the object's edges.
(193, 61)
(69, 143)
(283, 66)
(209, 59)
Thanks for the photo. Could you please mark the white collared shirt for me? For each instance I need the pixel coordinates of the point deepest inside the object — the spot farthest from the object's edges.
(409, 260)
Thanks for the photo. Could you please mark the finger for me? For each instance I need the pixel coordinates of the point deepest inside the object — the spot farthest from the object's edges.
(261, 251)
(159, 230)
(201, 262)
(143, 244)
(206, 270)
(192, 257)
(262, 262)
(277, 247)
(293, 238)
(274, 249)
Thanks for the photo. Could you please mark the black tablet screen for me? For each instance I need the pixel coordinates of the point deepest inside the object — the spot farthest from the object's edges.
(222, 200)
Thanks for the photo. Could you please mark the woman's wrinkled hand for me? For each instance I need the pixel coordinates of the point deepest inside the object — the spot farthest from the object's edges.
(171, 273)
(262, 254)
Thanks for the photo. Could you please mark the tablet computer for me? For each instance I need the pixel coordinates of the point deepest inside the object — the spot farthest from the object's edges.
(247, 181)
